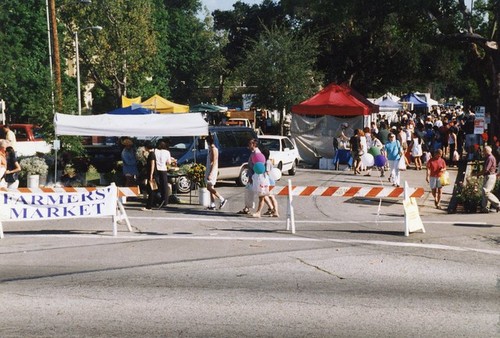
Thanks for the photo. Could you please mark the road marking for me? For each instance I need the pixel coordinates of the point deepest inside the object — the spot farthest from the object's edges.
(264, 239)
(230, 219)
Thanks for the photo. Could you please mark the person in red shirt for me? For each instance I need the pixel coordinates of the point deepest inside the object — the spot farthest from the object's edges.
(436, 166)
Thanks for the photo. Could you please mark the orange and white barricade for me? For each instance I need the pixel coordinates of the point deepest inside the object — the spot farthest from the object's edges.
(412, 218)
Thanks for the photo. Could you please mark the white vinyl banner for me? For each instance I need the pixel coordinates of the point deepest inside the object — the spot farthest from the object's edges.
(40, 206)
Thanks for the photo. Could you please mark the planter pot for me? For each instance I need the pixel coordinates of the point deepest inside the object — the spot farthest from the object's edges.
(204, 197)
(470, 207)
(33, 181)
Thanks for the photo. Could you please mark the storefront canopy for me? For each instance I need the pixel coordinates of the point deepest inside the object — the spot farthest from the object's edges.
(161, 105)
(131, 125)
(337, 100)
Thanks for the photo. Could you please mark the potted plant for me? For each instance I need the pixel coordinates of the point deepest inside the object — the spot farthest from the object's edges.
(196, 174)
(32, 168)
(470, 194)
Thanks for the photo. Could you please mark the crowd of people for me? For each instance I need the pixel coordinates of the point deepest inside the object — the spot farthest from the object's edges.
(435, 139)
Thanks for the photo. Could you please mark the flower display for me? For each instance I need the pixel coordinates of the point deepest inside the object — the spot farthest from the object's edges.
(196, 173)
(33, 165)
(470, 193)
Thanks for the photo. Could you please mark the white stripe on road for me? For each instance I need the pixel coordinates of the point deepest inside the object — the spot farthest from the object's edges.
(283, 220)
(290, 238)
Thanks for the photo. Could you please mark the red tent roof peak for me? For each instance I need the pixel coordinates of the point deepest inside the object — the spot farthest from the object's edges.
(336, 100)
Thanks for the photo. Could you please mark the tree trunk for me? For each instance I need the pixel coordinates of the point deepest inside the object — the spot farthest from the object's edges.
(220, 89)
(57, 59)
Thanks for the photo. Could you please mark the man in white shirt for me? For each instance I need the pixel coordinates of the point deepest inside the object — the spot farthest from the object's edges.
(163, 159)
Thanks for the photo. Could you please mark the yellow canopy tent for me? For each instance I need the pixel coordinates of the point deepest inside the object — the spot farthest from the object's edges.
(127, 102)
(161, 105)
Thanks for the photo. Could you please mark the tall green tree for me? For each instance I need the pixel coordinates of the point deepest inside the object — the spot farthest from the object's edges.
(279, 69)
(243, 24)
(475, 30)
(25, 83)
(374, 46)
(119, 58)
(186, 56)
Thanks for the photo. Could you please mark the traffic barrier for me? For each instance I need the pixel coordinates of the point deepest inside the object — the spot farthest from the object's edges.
(374, 192)
(412, 217)
(122, 191)
(34, 204)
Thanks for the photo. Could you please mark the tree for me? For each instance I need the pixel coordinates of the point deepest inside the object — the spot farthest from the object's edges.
(24, 76)
(117, 58)
(243, 24)
(479, 32)
(279, 69)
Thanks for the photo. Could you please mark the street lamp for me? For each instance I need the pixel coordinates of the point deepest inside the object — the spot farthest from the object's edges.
(98, 28)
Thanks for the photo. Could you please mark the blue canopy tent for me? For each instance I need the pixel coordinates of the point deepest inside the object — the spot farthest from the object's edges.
(414, 101)
(131, 110)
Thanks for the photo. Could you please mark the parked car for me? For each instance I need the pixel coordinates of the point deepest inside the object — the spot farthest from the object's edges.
(283, 153)
(232, 143)
(29, 139)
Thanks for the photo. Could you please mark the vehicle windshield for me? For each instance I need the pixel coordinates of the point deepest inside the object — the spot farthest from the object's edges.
(271, 144)
(179, 145)
(38, 133)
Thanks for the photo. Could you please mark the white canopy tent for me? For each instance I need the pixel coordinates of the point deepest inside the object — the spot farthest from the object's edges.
(191, 124)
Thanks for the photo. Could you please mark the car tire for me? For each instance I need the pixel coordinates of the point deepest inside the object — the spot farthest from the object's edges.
(183, 184)
(242, 179)
(280, 166)
(293, 169)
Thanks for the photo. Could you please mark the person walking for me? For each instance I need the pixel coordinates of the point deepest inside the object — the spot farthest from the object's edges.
(394, 152)
(211, 172)
(416, 150)
(489, 180)
(151, 184)
(249, 192)
(163, 159)
(13, 168)
(356, 151)
(436, 166)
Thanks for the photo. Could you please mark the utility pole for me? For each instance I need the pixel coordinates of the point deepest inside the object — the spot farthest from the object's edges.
(57, 58)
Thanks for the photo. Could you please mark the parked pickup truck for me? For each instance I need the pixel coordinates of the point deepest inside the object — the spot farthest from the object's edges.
(29, 139)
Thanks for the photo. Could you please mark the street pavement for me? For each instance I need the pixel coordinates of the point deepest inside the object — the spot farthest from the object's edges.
(188, 272)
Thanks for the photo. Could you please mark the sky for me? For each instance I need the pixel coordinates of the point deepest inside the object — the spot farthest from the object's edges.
(225, 4)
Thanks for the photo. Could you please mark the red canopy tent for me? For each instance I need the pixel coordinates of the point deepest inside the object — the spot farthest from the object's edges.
(338, 100)
(316, 121)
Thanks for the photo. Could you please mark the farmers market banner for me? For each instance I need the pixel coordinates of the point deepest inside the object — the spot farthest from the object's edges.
(26, 206)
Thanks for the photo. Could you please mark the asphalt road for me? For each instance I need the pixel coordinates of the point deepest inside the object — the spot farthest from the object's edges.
(348, 271)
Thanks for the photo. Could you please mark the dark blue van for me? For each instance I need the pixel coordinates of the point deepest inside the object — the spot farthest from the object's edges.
(232, 143)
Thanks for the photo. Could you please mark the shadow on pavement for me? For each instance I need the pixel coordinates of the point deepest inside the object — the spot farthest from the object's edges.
(475, 225)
